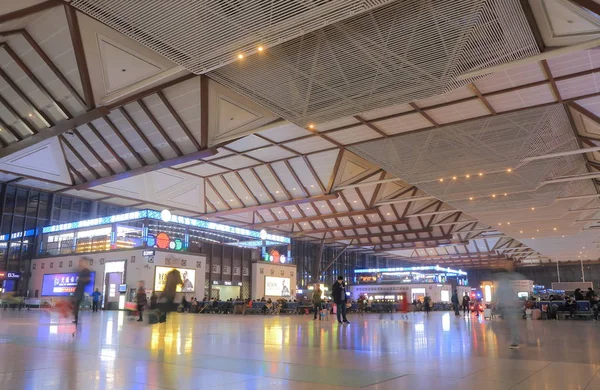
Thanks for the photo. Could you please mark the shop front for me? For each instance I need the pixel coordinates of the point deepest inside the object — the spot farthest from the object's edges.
(213, 259)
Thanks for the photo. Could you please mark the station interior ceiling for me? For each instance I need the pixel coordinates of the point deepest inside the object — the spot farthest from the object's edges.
(463, 133)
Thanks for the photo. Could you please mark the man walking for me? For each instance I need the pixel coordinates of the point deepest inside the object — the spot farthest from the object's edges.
(316, 299)
(168, 295)
(83, 279)
(455, 303)
(141, 299)
(338, 292)
(95, 300)
(465, 304)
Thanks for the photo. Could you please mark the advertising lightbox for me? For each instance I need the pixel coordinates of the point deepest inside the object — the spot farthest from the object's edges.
(187, 275)
(63, 285)
(277, 287)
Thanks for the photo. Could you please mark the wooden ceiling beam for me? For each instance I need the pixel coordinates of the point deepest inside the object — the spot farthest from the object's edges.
(377, 235)
(268, 206)
(160, 128)
(177, 118)
(84, 73)
(147, 168)
(314, 218)
(362, 226)
(141, 134)
(24, 12)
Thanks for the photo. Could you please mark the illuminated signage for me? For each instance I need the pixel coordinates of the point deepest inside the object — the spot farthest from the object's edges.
(147, 253)
(401, 269)
(163, 241)
(166, 216)
(13, 275)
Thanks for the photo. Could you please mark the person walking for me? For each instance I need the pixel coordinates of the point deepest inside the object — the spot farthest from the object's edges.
(167, 297)
(454, 300)
(95, 300)
(141, 299)
(427, 304)
(317, 301)
(83, 279)
(153, 300)
(465, 304)
(507, 302)
(338, 293)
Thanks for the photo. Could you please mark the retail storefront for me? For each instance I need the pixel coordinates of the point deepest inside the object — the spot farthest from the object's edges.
(215, 260)
(412, 283)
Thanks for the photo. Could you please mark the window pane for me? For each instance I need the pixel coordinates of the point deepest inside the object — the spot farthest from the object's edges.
(10, 199)
(18, 224)
(66, 203)
(76, 205)
(43, 205)
(6, 223)
(32, 205)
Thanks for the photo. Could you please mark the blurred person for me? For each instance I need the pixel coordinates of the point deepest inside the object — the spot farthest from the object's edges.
(83, 279)
(153, 300)
(167, 297)
(590, 293)
(427, 304)
(579, 295)
(317, 301)
(508, 304)
(140, 299)
(95, 300)
(465, 304)
(454, 300)
(338, 293)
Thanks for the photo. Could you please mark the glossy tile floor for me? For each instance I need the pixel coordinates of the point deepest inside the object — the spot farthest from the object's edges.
(37, 351)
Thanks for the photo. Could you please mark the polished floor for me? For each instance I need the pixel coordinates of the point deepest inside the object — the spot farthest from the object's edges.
(38, 351)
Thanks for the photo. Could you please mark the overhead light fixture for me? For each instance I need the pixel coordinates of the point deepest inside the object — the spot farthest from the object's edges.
(453, 177)
(509, 170)
(240, 56)
(467, 176)
(471, 198)
(480, 174)
(260, 48)
(493, 195)
(441, 180)
(311, 126)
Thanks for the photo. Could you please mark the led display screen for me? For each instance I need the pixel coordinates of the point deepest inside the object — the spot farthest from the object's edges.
(187, 275)
(63, 285)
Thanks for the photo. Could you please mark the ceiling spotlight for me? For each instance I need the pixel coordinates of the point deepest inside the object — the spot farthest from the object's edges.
(441, 180)
(294, 189)
(276, 192)
(312, 186)
(453, 177)
(537, 230)
(467, 176)
(493, 195)
(311, 126)
(240, 56)
(260, 48)
(30, 115)
(505, 194)
(521, 232)
(533, 209)
(554, 229)
(533, 238)
(388, 213)
(471, 198)
(508, 223)
(499, 223)
(480, 174)
(354, 201)
(509, 170)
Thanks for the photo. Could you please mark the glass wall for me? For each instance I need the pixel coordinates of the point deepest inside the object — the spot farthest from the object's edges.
(24, 210)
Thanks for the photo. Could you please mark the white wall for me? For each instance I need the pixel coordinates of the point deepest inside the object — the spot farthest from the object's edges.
(262, 269)
(138, 267)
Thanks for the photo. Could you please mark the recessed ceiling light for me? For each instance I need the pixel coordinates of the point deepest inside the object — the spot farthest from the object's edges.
(533, 209)
(453, 177)
(521, 231)
(260, 48)
(354, 201)
(505, 194)
(388, 213)
(480, 174)
(441, 180)
(471, 198)
(276, 192)
(493, 195)
(311, 126)
(509, 170)
(294, 189)
(554, 229)
(240, 56)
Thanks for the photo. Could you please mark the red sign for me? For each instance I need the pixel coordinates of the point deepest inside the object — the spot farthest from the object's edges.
(162, 240)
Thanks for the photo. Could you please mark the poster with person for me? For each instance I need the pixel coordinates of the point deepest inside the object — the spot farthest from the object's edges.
(278, 287)
(187, 275)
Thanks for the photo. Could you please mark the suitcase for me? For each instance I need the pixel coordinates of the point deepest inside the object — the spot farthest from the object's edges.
(487, 313)
(155, 316)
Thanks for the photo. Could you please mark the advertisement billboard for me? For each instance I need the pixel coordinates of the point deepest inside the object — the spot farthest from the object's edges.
(278, 287)
(187, 275)
(63, 285)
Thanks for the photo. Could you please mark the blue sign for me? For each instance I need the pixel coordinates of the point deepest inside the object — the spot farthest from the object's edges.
(63, 285)
(401, 269)
(157, 215)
